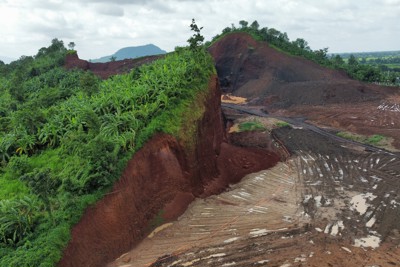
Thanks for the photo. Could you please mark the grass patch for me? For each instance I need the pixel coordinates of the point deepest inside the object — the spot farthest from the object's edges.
(251, 126)
(350, 136)
(281, 124)
(375, 139)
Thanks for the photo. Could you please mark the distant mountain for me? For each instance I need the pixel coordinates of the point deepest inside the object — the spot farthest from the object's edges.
(6, 59)
(132, 52)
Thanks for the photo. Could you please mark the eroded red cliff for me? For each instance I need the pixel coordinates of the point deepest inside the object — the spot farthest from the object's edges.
(161, 180)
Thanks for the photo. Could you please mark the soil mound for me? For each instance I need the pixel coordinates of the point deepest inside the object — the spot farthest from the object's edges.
(254, 70)
(105, 70)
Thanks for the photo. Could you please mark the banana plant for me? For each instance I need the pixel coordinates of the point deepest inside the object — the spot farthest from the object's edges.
(6, 141)
(25, 142)
(17, 219)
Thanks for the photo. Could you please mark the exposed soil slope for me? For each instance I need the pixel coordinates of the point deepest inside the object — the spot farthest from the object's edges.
(293, 86)
(105, 70)
(166, 176)
(256, 71)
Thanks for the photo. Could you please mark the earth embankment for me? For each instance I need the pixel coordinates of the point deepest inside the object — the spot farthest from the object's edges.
(255, 70)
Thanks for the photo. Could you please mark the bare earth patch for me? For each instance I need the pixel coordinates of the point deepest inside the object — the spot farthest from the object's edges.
(228, 98)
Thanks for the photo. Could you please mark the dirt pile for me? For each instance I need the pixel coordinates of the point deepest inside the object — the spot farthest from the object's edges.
(158, 184)
(254, 70)
(105, 70)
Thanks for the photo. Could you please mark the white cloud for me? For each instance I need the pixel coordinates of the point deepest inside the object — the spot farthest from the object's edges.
(110, 10)
(100, 27)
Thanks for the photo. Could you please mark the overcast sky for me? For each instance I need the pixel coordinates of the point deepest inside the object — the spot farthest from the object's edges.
(101, 27)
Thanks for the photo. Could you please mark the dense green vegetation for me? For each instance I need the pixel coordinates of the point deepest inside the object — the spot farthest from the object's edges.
(300, 47)
(65, 137)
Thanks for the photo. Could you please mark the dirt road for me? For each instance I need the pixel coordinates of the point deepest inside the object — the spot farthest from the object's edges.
(300, 123)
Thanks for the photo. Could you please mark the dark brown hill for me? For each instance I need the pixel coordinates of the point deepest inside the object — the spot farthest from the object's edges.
(259, 72)
(105, 70)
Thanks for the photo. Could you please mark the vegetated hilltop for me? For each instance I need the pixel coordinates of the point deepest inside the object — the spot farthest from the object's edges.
(132, 52)
(66, 136)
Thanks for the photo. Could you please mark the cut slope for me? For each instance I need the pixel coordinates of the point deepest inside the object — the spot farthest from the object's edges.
(254, 70)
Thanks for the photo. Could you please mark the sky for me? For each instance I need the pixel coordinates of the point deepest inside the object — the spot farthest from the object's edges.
(101, 27)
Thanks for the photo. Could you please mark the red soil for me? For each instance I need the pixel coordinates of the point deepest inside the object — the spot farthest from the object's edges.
(163, 175)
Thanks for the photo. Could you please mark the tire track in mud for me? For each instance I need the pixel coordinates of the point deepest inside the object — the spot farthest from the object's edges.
(291, 214)
(360, 188)
(262, 204)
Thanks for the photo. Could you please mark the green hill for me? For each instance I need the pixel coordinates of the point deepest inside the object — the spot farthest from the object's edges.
(65, 137)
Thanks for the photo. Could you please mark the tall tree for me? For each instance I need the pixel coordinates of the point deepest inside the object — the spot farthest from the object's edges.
(352, 60)
(71, 45)
(197, 39)
(243, 24)
(255, 25)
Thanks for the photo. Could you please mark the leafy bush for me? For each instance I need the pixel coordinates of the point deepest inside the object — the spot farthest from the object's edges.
(19, 165)
(17, 219)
